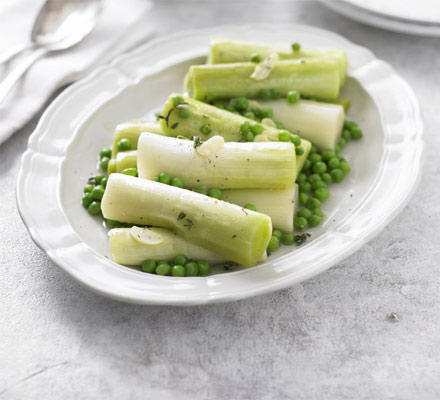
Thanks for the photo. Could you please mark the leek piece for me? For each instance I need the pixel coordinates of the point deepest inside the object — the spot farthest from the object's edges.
(123, 160)
(228, 230)
(320, 123)
(235, 165)
(220, 122)
(312, 78)
(127, 251)
(279, 205)
(224, 50)
(132, 130)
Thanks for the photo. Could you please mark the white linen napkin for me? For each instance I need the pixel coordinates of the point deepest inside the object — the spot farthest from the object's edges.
(121, 26)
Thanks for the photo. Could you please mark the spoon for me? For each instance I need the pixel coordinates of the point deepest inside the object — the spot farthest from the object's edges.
(60, 24)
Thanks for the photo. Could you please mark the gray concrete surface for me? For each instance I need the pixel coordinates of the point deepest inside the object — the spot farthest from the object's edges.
(366, 329)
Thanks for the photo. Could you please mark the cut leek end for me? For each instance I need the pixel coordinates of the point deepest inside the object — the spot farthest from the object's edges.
(262, 235)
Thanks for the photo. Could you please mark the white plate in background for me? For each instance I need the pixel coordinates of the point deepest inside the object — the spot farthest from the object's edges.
(62, 153)
(419, 17)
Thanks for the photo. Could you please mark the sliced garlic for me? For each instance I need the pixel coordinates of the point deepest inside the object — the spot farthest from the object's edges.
(264, 68)
(211, 146)
(145, 236)
(268, 122)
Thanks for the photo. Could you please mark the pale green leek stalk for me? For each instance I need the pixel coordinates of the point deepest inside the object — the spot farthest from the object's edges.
(279, 205)
(132, 130)
(224, 50)
(235, 165)
(126, 250)
(312, 78)
(123, 160)
(228, 230)
(320, 123)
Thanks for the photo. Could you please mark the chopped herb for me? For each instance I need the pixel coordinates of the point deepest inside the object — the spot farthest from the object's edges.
(197, 141)
(229, 266)
(182, 215)
(158, 116)
(167, 118)
(188, 224)
(234, 236)
(174, 126)
(301, 238)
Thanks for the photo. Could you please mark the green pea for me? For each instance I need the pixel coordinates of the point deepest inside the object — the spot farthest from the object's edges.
(87, 199)
(249, 136)
(319, 212)
(266, 113)
(313, 149)
(104, 181)
(204, 267)
(337, 149)
(321, 194)
(277, 233)
(302, 177)
(313, 203)
(216, 193)
(315, 157)
(177, 100)
(250, 115)
(314, 220)
(184, 113)
(105, 153)
(333, 163)
(124, 144)
(94, 207)
(88, 188)
(350, 124)
(293, 96)
(276, 94)
(274, 244)
(219, 105)
(328, 154)
(256, 58)
(345, 167)
(303, 198)
(250, 206)
(245, 127)
(130, 171)
(284, 136)
(307, 165)
(296, 46)
(178, 270)
(191, 269)
(148, 266)
(299, 151)
(177, 181)
(327, 178)
(305, 187)
(164, 177)
(314, 177)
(264, 94)
(163, 269)
(205, 129)
(257, 129)
(180, 259)
(111, 223)
(346, 134)
(202, 190)
(287, 239)
(241, 104)
(342, 142)
(319, 185)
(300, 223)
(98, 179)
(296, 140)
(279, 125)
(304, 213)
(337, 175)
(319, 167)
(103, 164)
(257, 112)
(97, 192)
(229, 107)
(356, 133)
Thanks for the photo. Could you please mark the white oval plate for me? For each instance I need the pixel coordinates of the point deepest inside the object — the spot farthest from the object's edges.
(62, 153)
(420, 17)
